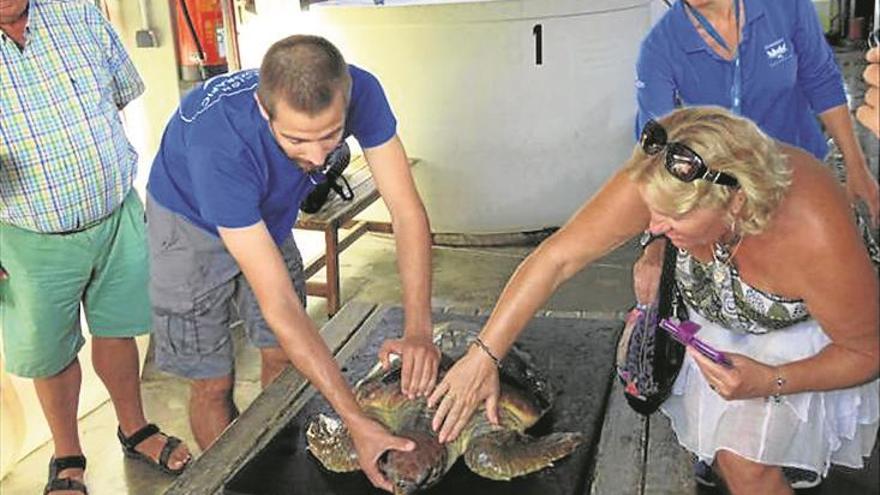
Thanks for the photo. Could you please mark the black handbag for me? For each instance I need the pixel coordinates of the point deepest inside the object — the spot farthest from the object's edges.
(336, 161)
(648, 358)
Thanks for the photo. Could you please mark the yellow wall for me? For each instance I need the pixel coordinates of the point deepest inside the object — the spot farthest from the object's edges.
(145, 117)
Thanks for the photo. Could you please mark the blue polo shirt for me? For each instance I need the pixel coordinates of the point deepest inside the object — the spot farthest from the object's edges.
(219, 164)
(789, 74)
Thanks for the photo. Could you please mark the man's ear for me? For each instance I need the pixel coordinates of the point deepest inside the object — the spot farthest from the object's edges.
(263, 111)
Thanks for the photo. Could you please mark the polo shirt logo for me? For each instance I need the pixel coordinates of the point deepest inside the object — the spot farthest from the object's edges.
(217, 88)
(777, 52)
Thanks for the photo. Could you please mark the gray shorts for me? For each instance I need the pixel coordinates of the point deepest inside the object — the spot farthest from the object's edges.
(197, 291)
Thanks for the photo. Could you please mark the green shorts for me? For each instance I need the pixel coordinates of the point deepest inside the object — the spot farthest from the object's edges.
(103, 267)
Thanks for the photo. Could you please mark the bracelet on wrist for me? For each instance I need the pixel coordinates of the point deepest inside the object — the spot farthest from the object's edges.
(780, 383)
(479, 343)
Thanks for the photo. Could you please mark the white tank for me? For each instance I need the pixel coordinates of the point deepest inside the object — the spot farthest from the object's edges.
(518, 109)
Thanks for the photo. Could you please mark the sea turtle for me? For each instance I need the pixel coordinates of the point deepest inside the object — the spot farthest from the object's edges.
(496, 452)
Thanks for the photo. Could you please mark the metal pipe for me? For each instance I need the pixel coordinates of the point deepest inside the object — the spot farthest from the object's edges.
(145, 21)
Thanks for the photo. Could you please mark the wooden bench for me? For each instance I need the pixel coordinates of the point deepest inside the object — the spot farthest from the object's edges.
(334, 215)
(639, 455)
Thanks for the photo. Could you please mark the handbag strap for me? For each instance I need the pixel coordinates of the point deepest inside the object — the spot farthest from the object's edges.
(667, 303)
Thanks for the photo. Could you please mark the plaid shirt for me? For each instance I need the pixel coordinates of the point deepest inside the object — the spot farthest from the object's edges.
(65, 162)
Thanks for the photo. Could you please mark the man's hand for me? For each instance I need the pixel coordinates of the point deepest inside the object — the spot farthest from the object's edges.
(420, 360)
(3, 274)
(371, 440)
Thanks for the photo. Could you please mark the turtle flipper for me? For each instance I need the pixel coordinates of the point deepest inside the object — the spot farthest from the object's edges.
(506, 454)
(330, 442)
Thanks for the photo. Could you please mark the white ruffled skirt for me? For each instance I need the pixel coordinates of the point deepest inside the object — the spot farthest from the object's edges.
(809, 430)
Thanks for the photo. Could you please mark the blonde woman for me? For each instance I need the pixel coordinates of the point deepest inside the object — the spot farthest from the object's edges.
(770, 264)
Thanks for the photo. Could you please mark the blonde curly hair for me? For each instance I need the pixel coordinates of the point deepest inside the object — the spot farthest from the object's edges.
(726, 143)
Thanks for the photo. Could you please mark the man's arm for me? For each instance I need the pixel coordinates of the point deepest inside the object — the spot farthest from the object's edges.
(263, 267)
(391, 171)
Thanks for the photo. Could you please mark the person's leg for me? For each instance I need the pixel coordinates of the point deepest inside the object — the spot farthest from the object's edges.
(211, 408)
(746, 477)
(192, 285)
(40, 298)
(273, 360)
(116, 362)
(59, 399)
(117, 308)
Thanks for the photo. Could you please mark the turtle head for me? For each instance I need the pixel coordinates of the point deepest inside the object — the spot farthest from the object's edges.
(418, 468)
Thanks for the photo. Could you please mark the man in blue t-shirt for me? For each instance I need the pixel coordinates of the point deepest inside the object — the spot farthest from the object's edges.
(235, 163)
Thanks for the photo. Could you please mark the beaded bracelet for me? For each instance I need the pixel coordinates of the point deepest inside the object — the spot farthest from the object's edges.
(479, 343)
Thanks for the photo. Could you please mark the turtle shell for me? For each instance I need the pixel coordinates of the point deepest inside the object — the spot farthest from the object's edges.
(494, 451)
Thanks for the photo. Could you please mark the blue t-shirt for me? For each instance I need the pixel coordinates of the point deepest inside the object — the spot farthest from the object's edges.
(219, 165)
(788, 71)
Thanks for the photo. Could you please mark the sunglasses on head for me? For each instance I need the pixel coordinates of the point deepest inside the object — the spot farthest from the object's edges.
(681, 161)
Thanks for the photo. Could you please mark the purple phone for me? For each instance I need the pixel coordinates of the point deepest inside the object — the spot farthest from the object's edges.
(686, 333)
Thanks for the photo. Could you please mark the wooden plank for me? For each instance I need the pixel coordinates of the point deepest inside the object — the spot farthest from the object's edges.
(358, 229)
(267, 415)
(668, 468)
(318, 289)
(331, 240)
(381, 227)
(620, 458)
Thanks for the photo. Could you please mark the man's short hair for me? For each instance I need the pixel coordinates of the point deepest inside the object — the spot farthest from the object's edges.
(306, 72)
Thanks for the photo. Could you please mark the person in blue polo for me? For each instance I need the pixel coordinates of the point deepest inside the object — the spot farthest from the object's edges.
(766, 60)
(236, 161)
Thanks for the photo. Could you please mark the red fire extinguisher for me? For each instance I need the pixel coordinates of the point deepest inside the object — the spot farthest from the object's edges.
(201, 39)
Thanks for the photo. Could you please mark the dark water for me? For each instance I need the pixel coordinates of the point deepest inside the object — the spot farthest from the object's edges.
(575, 354)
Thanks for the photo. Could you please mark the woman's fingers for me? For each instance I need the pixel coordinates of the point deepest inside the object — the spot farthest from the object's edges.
(458, 414)
(440, 417)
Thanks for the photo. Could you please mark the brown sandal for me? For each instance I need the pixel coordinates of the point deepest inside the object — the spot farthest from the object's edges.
(56, 465)
(130, 443)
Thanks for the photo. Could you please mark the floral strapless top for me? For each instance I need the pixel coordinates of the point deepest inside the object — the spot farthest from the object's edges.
(716, 291)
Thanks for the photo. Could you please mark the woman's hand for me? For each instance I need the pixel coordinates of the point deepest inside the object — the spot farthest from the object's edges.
(471, 381)
(746, 379)
(371, 440)
(420, 356)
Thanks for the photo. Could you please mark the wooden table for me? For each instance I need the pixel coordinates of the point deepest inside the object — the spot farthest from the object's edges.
(334, 215)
